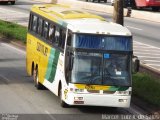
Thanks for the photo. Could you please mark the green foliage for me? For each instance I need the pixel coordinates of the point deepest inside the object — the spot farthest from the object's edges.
(14, 31)
(147, 88)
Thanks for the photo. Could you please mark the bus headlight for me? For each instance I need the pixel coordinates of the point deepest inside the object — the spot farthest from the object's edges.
(124, 92)
(78, 98)
(122, 100)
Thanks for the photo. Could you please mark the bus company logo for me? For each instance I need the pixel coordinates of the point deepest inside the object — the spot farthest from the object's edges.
(42, 49)
(90, 87)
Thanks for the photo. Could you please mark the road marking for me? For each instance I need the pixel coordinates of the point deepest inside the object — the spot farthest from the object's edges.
(154, 65)
(136, 42)
(147, 53)
(147, 56)
(12, 47)
(134, 28)
(5, 78)
(142, 46)
(49, 114)
(152, 60)
(147, 50)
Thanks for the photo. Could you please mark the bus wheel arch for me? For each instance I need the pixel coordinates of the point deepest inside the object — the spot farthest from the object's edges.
(62, 103)
(32, 69)
(59, 87)
(38, 85)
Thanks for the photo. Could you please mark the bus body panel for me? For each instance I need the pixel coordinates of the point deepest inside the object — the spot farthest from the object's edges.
(147, 3)
(100, 100)
(56, 75)
(38, 52)
(50, 67)
(98, 95)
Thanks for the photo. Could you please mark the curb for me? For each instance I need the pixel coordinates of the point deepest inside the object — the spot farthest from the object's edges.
(17, 44)
(143, 105)
(149, 70)
(155, 17)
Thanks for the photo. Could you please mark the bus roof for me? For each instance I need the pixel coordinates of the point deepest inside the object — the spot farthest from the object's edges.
(79, 21)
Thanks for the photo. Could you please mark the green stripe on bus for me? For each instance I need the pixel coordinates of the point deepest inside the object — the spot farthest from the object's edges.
(52, 65)
(114, 88)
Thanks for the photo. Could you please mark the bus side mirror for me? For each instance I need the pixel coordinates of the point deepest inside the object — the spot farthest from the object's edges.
(71, 58)
(135, 64)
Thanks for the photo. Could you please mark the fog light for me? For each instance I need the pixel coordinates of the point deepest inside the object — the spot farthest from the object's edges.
(78, 98)
(122, 100)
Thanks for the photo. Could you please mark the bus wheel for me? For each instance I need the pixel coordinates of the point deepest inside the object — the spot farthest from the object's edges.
(13, 2)
(62, 103)
(38, 85)
(105, 1)
(5, 2)
(155, 8)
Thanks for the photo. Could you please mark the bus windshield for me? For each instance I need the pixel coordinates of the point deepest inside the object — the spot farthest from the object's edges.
(103, 42)
(101, 69)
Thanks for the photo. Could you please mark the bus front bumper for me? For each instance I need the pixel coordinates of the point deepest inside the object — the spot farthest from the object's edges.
(98, 100)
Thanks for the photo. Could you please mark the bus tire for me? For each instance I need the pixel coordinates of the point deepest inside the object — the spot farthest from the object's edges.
(62, 103)
(13, 2)
(38, 85)
(155, 9)
(5, 2)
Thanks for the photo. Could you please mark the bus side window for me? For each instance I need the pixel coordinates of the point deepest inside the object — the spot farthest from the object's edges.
(52, 33)
(60, 39)
(40, 23)
(34, 23)
(30, 22)
(69, 38)
(63, 37)
(45, 29)
(57, 35)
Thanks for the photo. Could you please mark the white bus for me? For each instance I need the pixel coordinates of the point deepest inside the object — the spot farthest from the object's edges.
(79, 56)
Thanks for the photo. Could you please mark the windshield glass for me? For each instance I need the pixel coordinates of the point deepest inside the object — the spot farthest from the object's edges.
(101, 69)
(116, 70)
(102, 42)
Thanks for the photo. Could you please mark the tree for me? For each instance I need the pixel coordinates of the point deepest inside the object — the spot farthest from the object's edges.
(118, 12)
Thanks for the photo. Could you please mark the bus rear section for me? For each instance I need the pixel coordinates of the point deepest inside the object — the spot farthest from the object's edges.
(8, 1)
